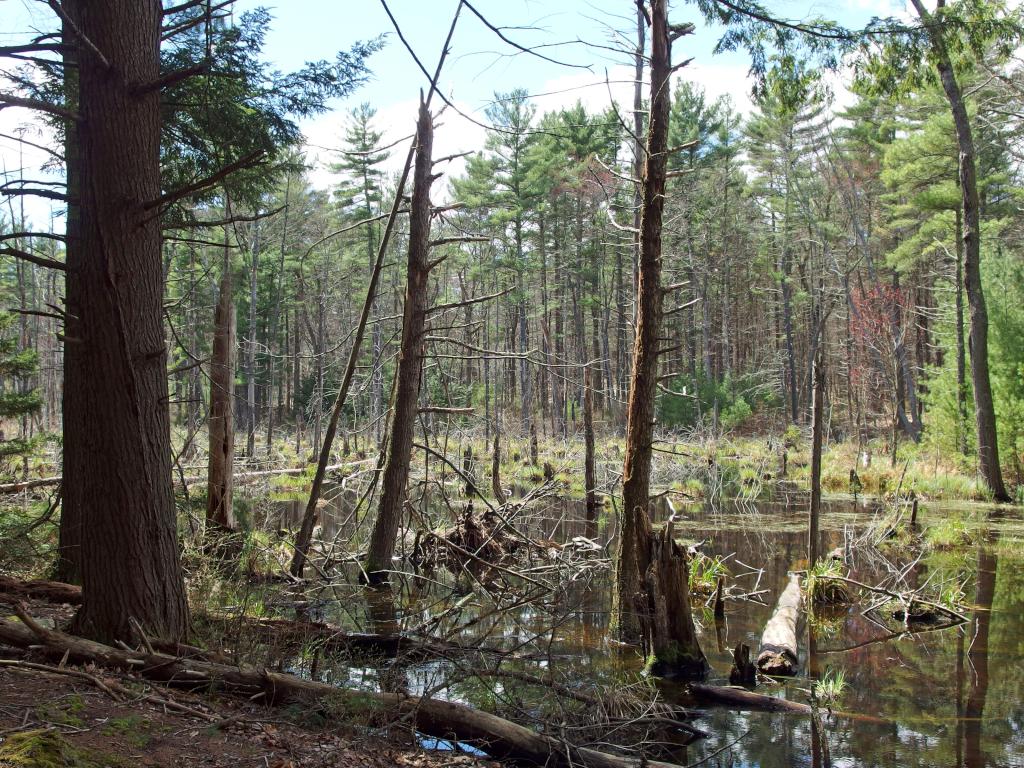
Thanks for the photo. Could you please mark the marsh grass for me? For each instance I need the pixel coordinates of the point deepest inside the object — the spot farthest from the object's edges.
(829, 689)
(704, 573)
(948, 532)
(822, 588)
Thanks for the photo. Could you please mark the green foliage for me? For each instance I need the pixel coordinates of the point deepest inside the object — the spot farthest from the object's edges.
(239, 106)
(829, 690)
(947, 430)
(736, 400)
(948, 532)
(49, 749)
(18, 398)
(704, 572)
(963, 30)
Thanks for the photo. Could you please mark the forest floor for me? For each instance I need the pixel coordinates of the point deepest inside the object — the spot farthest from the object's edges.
(51, 720)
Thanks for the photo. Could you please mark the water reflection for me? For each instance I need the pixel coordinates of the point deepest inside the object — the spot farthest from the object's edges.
(920, 699)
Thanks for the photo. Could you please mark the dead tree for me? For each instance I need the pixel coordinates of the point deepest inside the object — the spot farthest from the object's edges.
(219, 510)
(817, 419)
(589, 471)
(499, 492)
(410, 361)
(778, 654)
(302, 543)
(642, 557)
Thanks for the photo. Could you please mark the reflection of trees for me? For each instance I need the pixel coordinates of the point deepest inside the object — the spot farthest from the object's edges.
(977, 657)
(1004, 709)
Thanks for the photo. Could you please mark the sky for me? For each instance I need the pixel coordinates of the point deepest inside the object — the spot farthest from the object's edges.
(578, 33)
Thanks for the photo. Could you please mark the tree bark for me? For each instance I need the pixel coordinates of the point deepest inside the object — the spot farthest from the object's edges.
(984, 408)
(117, 453)
(410, 362)
(817, 423)
(250, 347)
(634, 607)
(961, 347)
(219, 507)
(589, 470)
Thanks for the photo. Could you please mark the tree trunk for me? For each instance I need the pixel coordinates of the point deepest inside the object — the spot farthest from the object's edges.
(219, 509)
(499, 492)
(817, 422)
(634, 606)
(961, 347)
(984, 409)
(117, 453)
(589, 473)
(250, 348)
(410, 362)
(974, 710)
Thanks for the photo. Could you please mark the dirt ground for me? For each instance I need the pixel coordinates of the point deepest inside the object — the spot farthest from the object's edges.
(51, 720)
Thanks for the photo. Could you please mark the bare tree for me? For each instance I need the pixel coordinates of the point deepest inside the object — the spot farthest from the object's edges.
(651, 596)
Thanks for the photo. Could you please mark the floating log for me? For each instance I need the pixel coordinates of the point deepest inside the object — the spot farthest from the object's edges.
(778, 653)
(741, 699)
(498, 737)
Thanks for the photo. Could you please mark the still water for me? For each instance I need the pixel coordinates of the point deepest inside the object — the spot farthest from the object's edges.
(934, 697)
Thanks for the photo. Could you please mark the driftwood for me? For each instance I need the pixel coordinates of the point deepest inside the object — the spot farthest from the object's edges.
(741, 699)
(908, 599)
(497, 736)
(778, 653)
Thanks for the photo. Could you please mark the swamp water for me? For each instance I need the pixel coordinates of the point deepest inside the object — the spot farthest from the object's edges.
(931, 697)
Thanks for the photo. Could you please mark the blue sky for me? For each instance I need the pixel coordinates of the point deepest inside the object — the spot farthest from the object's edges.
(479, 65)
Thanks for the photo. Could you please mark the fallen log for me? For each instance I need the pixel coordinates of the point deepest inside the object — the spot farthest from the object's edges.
(778, 654)
(498, 737)
(50, 591)
(742, 699)
(28, 485)
(238, 477)
(268, 630)
(908, 599)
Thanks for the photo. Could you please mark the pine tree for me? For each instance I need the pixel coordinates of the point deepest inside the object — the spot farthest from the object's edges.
(18, 398)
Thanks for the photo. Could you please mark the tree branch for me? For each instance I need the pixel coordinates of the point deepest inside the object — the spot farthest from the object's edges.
(41, 261)
(165, 81)
(468, 302)
(10, 100)
(174, 195)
